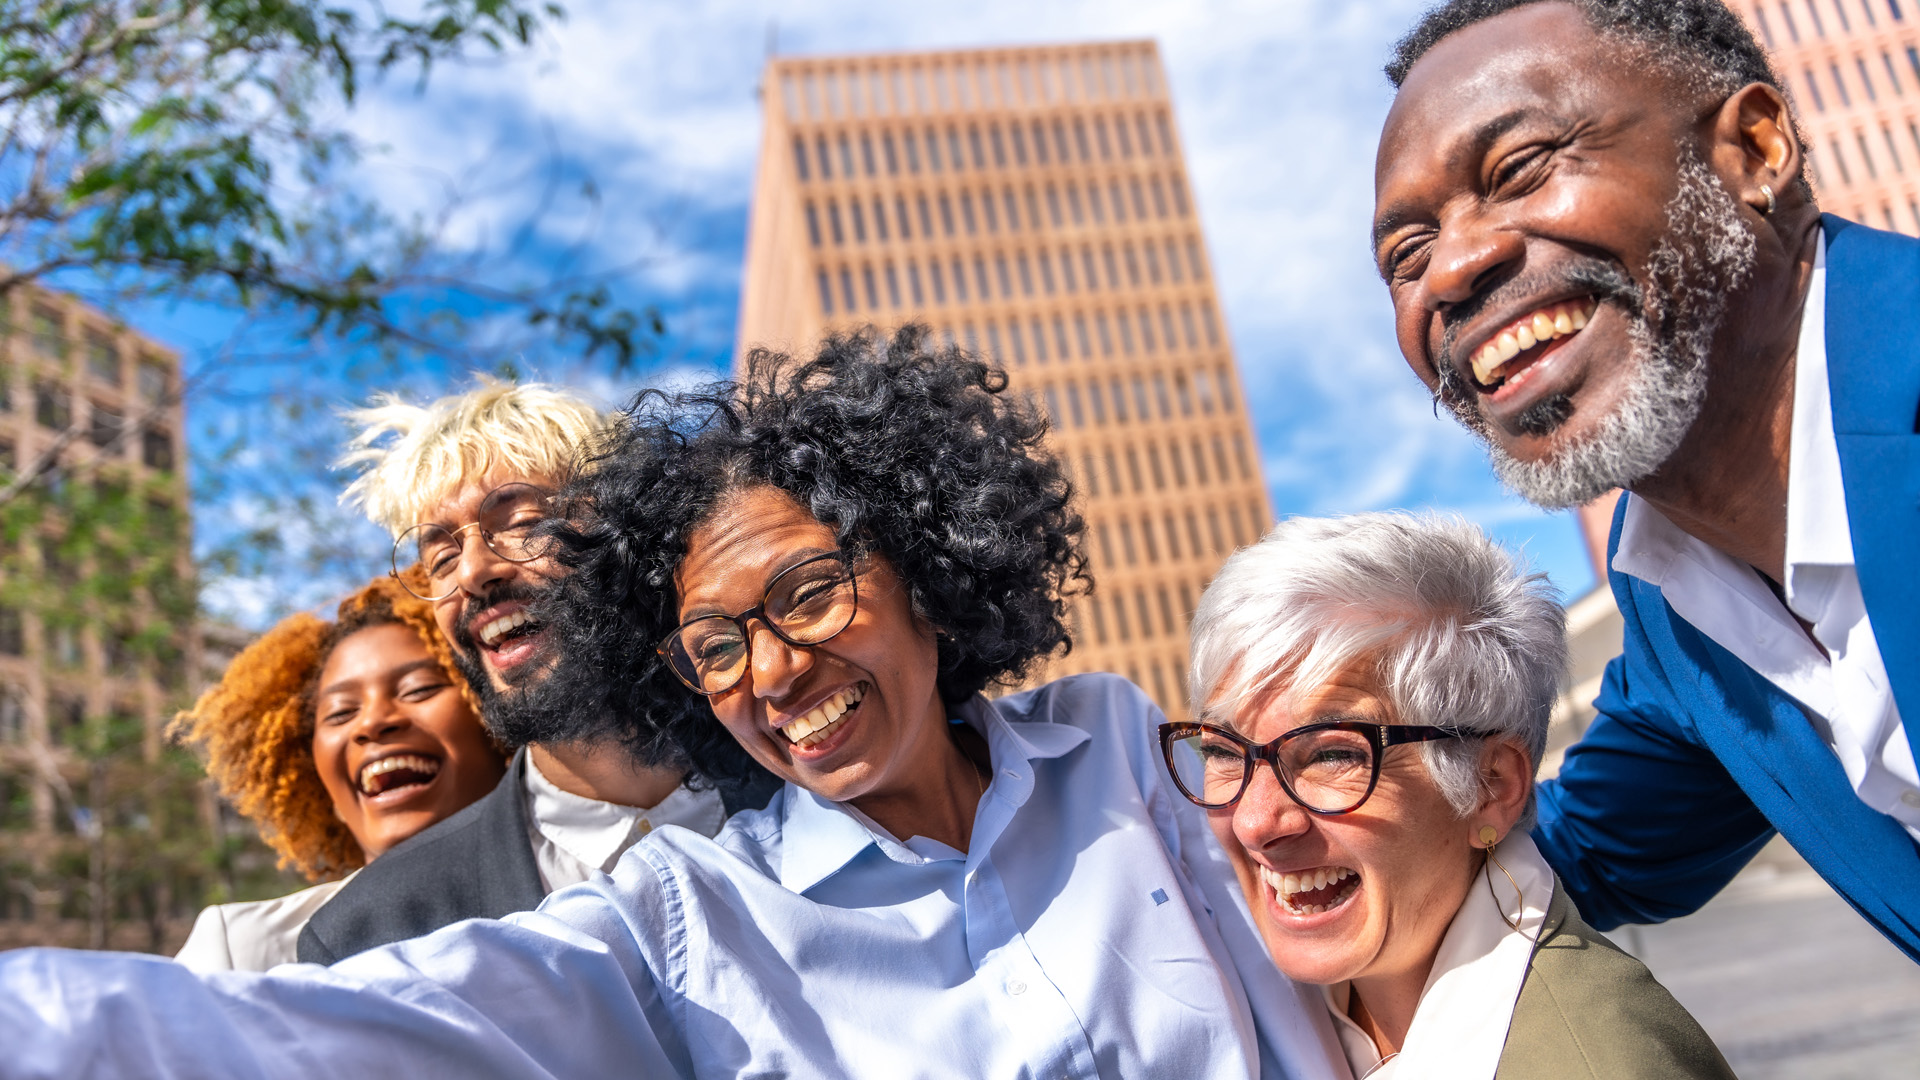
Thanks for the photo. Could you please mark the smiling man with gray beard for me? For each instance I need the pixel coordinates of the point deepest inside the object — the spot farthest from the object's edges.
(1606, 262)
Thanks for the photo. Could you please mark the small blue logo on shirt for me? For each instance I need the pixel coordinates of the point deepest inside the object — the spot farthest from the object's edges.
(1159, 896)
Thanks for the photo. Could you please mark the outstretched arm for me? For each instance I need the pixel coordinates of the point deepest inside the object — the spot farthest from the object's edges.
(563, 992)
(1643, 824)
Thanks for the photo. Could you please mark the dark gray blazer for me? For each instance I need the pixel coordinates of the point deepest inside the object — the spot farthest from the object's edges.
(477, 864)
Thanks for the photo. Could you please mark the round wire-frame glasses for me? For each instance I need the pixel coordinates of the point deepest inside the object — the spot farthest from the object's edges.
(804, 605)
(506, 521)
(1330, 767)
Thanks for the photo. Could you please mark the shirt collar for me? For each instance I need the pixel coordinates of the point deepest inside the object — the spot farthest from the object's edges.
(820, 837)
(597, 833)
(1817, 530)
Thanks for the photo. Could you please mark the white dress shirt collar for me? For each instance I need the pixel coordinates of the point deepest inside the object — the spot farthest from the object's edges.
(597, 833)
(1460, 1028)
(822, 836)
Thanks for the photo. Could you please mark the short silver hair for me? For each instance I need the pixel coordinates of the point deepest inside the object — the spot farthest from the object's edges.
(1455, 631)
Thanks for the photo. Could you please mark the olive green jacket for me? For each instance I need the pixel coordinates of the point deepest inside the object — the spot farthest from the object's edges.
(1589, 1011)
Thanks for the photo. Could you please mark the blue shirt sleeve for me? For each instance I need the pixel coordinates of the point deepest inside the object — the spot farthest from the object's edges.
(565, 991)
(1643, 823)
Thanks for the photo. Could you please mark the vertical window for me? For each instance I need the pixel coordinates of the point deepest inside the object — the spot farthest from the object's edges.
(1913, 60)
(973, 139)
(1139, 199)
(859, 222)
(813, 224)
(1840, 84)
(846, 156)
(900, 215)
(1152, 252)
(1066, 270)
(955, 156)
(1060, 338)
(1184, 392)
(1179, 463)
(800, 157)
(1226, 393)
(1132, 263)
(1126, 331)
(1846, 176)
(1119, 392)
(1793, 28)
(1006, 280)
(1146, 331)
(1019, 136)
(1213, 326)
(1039, 340)
(926, 219)
(1179, 195)
(946, 214)
(1160, 396)
(1062, 151)
(1014, 338)
(1153, 463)
(1240, 455)
(873, 293)
(1095, 205)
(893, 286)
(1140, 398)
(980, 277)
(912, 146)
(933, 151)
(1074, 407)
(866, 153)
(986, 209)
(1892, 151)
(966, 212)
(1033, 210)
(1106, 333)
(1046, 271)
(1080, 139)
(833, 222)
(1013, 210)
(1866, 154)
(1026, 273)
(1173, 260)
(1159, 199)
(1213, 528)
(1166, 133)
(913, 284)
(1113, 270)
(1173, 537)
(1100, 138)
(1092, 271)
(846, 288)
(1199, 463)
(1097, 398)
(1893, 75)
(1086, 341)
(1219, 457)
(1039, 143)
(1146, 136)
(1119, 204)
(999, 147)
(959, 281)
(1766, 31)
(886, 150)
(826, 159)
(935, 278)
(1166, 327)
(1845, 26)
(1186, 324)
(1194, 546)
(1813, 88)
(1193, 259)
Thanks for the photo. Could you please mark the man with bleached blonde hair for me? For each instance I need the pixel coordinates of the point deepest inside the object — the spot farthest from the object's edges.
(461, 484)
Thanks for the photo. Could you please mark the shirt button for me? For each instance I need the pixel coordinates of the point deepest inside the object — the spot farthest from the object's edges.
(1016, 988)
(1911, 798)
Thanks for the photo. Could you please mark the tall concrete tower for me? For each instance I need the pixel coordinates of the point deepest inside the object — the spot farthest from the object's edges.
(1032, 205)
(1853, 68)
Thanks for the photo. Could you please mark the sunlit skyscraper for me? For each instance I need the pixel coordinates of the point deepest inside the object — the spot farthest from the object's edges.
(1853, 67)
(1031, 204)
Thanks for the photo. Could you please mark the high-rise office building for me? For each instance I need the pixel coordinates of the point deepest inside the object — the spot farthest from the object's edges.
(1853, 68)
(1032, 205)
(96, 627)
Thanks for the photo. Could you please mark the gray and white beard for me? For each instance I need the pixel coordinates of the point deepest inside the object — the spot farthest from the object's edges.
(1707, 253)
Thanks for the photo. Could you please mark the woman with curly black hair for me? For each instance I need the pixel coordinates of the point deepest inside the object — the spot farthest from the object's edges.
(831, 559)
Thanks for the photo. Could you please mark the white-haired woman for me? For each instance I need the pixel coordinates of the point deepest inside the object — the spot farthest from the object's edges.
(1373, 695)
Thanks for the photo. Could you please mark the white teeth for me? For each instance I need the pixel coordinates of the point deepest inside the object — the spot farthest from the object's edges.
(493, 631)
(823, 716)
(1287, 886)
(1542, 326)
(399, 761)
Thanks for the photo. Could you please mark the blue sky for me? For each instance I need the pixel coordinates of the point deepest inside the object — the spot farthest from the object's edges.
(1279, 103)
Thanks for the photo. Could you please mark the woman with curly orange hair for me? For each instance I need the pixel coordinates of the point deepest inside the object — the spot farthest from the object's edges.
(339, 740)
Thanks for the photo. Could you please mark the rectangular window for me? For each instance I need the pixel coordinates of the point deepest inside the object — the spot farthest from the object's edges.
(1006, 280)
(1046, 271)
(933, 151)
(987, 211)
(846, 156)
(1179, 195)
(1793, 28)
(955, 157)
(946, 214)
(156, 448)
(1092, 272)
(1074, 407)
(939, 283)
(900, 214)
(999, 147)
(1080, 139)
(1119, 392)
(1039, 143)
(893, 286)
(822, 155)
(1013, 210)
(1846, 177)
(1845, 26)
(866, 153)
(886, 150)
(800, 157)
(1113, 270)
(813, 225)
(912, 146)
(913, 283)
(859, 222)
(1173, 260)
(1819, 25)
(1106, 333)
(880, 219)
(49, 333)
(833, 223)
(926, 219)
(1766, 31)
(1033, 210)
(1866, 154)
(1026, 275)
(52, 408)
(103, 358)
(1193, 259)
(1019, 135)
(1097, 397)
(1225, 380)
(1124, 136)
(1086, 340)
(959, 281)
(846, 289)
(1100, 138)
(1846, 100)
(104, 426)
(980, 277)
(1153, 463)
(1146, 331)
(1813, 89)
(1125, 326)
(1095, 204)
(1892, 150)
(1014, 338)
(1893, 74)
(1060, 337)
(1039, 340)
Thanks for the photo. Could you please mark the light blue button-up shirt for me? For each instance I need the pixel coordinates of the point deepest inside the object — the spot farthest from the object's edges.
(1094, 930)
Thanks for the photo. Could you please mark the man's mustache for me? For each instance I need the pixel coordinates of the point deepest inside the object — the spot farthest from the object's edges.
(465, 636)
(1606, 281)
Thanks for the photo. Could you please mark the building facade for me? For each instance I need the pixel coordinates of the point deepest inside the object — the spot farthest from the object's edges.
(1033, 206)
(1853, 68)
(96, 613)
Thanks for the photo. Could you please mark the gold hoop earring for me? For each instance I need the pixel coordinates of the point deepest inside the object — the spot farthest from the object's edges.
(1488, 837)
(1772, 203)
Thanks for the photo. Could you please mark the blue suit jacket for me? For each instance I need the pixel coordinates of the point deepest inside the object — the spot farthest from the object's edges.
(1695, 759)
